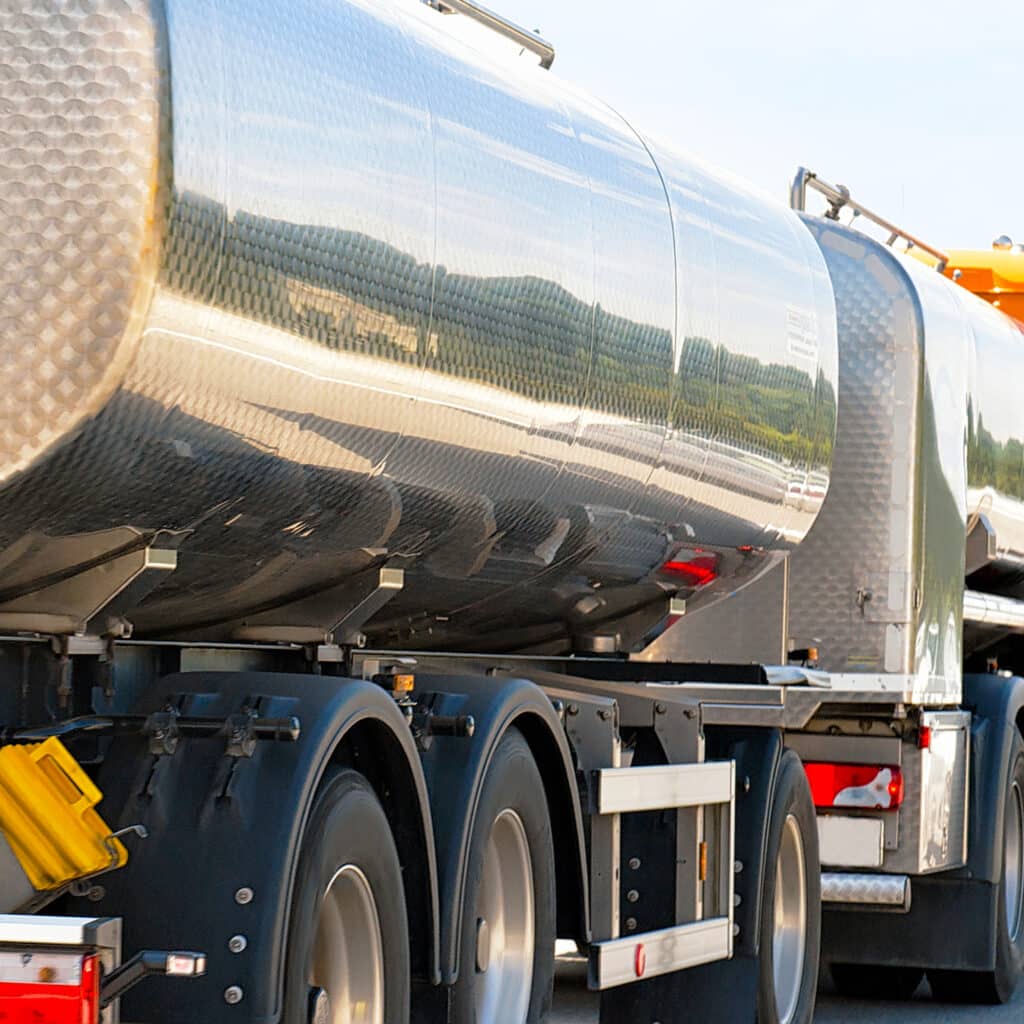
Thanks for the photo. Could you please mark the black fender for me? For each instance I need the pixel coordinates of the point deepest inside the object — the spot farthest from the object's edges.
(455, 770)
(725, 990)
(220, 825)
(997, 705)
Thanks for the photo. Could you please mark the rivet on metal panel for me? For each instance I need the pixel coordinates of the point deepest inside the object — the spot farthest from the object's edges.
(604, 714)
(634, 863)
(244, 896)
(233, 995)
(633, 896)
(631, 924)
(574, 709)
(238, 943)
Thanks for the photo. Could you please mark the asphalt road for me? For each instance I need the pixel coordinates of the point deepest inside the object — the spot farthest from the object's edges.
(575, 1005)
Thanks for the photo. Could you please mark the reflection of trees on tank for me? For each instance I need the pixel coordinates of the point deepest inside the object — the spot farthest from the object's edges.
(991, 463)
(772, 409)
(525, 334)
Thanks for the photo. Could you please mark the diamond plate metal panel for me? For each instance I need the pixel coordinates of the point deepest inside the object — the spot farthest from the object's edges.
(872, 890)
(79, 129)
(852, 581)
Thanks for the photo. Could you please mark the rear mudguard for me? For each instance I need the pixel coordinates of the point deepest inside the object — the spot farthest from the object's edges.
(224, 834)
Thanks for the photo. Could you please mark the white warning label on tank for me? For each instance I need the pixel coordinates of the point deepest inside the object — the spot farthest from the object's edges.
(802, 333)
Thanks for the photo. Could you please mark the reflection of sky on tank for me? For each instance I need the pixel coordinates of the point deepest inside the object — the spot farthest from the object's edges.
(998, 391)
(290, 161)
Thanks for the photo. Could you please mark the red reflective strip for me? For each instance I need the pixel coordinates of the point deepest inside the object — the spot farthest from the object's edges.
(90, 990)
(868, 786)
(640, 960)
(694, 572)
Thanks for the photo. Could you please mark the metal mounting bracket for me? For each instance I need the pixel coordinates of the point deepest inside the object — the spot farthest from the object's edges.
(111, 574)
(329, 617)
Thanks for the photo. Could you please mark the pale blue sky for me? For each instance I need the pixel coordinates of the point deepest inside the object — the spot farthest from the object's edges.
(917, 105)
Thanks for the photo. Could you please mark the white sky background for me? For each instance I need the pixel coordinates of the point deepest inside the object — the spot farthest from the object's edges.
(915, 104)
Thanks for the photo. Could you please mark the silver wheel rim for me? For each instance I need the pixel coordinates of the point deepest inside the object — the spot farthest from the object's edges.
(789, 939)
(348, 954)
(1014, 843)
(505, 924)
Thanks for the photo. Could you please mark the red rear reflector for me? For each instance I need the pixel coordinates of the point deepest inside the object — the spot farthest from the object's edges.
(640, 960)
(924, 737)
(869, 786)
(693, 572)
(49, 988)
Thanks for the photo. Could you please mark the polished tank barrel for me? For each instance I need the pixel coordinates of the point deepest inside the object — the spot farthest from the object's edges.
(382, 333)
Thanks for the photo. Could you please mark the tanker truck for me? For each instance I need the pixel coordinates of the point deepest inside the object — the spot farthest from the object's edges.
(437, 520)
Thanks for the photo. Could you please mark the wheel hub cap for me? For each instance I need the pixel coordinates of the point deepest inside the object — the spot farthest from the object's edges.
(1014, 871)
(348, 953)
(789, 939)
(505, 924)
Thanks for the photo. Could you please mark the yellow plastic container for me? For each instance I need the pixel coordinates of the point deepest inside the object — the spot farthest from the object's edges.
(48, 816)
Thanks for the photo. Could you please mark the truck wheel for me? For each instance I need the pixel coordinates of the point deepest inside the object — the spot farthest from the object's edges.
(507, 942)
(872, 981)
(348, 942)
(998, 986)
(790, 936)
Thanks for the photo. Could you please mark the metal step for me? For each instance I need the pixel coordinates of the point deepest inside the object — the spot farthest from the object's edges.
(881, 891)
(649, 954)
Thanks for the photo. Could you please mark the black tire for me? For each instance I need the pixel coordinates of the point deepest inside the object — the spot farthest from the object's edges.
(791, 798)
(512, 782)
(870, 981)
(347, 825)
(998, 986)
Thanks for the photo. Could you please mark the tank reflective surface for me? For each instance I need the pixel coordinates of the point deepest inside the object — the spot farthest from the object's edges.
(420, 309)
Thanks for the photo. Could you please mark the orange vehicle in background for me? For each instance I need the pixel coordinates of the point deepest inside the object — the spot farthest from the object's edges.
(996, 274)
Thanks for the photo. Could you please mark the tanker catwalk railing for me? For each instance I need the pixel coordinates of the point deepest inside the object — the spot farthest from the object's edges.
(496, 23)
(838, 197)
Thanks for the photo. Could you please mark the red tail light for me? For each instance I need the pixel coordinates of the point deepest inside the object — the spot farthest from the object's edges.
(696, 571)
(58, 988)
(869, 786)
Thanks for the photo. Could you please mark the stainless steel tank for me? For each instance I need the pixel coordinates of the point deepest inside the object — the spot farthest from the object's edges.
(334, 306)
(929, 454)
